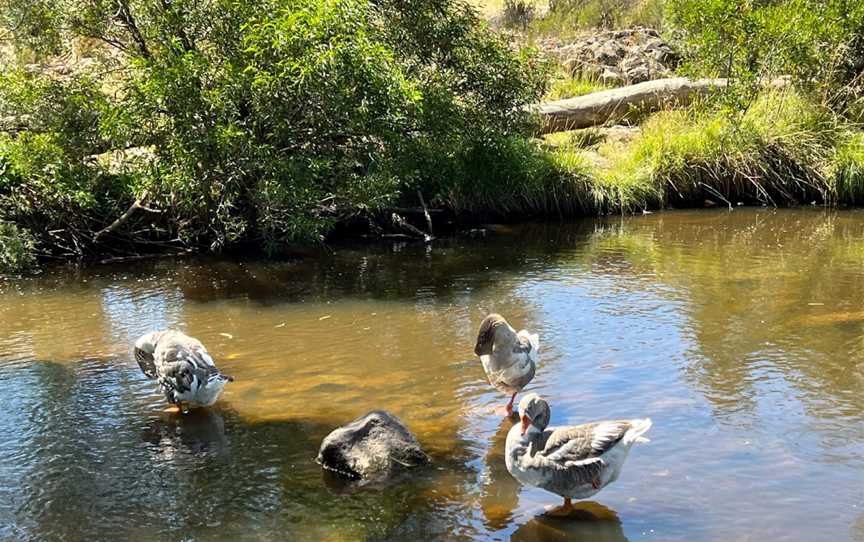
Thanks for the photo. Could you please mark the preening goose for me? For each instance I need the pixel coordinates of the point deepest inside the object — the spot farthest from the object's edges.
(574, 462)
(509, 358)
(185, 371)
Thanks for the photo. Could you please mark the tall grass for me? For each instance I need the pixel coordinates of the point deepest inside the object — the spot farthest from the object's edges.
(783, 150)
(567, 18)
(517, 178)
(847, 170)
(777, 153)
(569, 87)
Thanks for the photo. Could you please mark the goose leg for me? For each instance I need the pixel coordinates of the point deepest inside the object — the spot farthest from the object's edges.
(563, 510)
(510, 405)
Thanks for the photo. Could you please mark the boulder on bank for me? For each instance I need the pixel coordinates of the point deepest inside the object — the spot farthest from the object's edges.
(619, 57)
(373, 448)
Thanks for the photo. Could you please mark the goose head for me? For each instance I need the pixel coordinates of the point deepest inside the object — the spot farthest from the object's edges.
(535, 414)
(494, 328)
(146, 344)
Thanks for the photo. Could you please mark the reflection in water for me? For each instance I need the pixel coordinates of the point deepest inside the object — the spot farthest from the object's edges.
(197, 432)
(589, 522)
(739, 334)
(499, 496)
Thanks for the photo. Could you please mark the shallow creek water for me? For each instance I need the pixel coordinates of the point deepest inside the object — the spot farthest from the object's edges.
(740, 334)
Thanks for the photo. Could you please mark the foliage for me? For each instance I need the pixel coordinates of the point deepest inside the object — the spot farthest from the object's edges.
(606, 14)
(819, 43)
(847, 169)
(570, 87)
(515, 177)
(566, 18)
(776, 153)
(269, 121)
(17, 249)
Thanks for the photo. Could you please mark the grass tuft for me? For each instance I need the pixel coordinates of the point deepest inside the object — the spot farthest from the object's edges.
(571, 87)
(847, 170)
(774, 153)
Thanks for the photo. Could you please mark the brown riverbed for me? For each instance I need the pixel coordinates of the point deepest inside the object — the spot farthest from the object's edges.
(740, 334)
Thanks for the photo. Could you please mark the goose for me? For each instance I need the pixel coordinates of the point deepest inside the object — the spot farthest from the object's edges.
(185, 371)
(509, 358)
(574, 462)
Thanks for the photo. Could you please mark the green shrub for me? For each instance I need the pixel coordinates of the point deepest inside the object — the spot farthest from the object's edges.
(269, 121)
(17, 249)
(513, 177)
(569, 17)
(847, 170)
(819, 43)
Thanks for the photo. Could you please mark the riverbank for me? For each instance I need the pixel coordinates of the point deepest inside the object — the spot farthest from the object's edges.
(783, 151)
(216, 149)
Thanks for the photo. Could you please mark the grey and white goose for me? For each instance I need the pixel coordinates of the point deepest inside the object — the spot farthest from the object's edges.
(509, 358)
(186, 373)
(574, 462)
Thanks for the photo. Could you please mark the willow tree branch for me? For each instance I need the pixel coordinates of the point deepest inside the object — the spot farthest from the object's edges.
(125, 16)
(124, 218)
(426, 213)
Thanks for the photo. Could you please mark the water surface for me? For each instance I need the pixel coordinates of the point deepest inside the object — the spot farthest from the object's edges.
(740, 334)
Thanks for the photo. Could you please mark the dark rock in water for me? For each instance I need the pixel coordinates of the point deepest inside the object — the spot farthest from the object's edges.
(373, 447)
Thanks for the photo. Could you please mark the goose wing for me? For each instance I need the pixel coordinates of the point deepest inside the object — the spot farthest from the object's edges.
(182, 362)
(581, 442)
(572, 456)
(528, 344)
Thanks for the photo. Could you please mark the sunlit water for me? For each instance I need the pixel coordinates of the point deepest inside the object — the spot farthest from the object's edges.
(740, 334)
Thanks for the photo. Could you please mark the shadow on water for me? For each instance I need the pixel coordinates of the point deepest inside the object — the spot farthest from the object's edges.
(199, 431)
(372, 271)
(590, 521)
(499, 495)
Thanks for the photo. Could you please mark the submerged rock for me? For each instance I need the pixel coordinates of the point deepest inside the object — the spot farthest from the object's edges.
(371, 448)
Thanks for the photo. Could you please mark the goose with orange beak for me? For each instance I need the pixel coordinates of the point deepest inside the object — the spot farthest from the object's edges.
(509, 358)
(574, 462)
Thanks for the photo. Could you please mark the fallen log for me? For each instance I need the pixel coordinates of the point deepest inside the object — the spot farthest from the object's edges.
(616, 104)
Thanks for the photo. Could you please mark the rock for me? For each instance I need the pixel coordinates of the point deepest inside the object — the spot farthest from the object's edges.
(632, 62)
(572, 65)
(372, 448)
(630, 55)
(638, 74)
(609, 53)
(610, 77)
(586, 70)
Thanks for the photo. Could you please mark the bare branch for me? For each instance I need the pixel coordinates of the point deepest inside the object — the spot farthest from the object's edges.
(124, 217)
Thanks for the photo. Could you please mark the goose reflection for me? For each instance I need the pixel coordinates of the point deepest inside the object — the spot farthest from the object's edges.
(199, 431)
(500, 491)
(589, 521)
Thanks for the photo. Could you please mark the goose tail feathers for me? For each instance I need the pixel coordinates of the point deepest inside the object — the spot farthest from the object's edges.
(637, 429)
